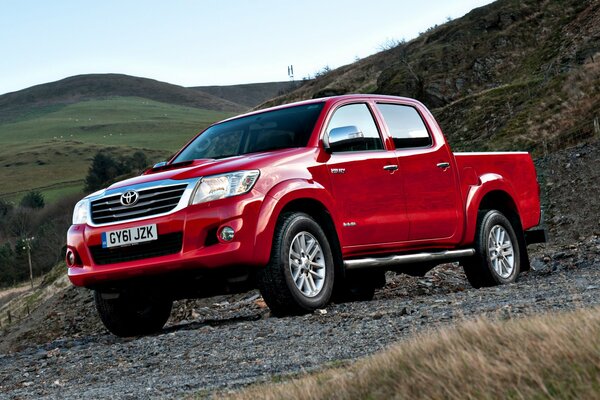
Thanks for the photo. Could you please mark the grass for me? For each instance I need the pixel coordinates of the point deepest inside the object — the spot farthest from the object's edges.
(51, 149)
(20, 300)
(117, 121)
(543, 357)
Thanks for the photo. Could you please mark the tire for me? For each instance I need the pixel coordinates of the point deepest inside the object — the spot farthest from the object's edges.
(129, 315)
(497, 260)
(299, 276)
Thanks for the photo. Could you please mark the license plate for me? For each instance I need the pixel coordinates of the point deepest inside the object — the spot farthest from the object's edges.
(124, 237)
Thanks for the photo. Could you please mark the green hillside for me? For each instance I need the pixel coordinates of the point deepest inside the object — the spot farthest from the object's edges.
(46, 97)
(51, 148)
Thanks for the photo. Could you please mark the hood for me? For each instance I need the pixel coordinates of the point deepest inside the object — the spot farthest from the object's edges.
(199, 168)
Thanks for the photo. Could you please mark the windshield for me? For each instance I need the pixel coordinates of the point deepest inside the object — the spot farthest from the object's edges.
(271, 130)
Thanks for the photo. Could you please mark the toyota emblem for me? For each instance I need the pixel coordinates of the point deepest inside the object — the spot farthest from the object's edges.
(129, 198)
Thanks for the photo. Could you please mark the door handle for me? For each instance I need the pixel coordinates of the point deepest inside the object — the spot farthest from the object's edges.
(443, 165)
(391, 167)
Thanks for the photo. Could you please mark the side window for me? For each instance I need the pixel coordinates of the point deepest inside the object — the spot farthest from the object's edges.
(357, 115)
(405, 125)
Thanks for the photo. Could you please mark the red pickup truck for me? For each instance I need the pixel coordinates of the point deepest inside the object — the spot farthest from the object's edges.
(307, 202)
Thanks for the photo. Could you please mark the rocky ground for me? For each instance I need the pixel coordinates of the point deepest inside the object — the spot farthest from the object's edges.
(62, 350)
(224, 343)
(570, 188)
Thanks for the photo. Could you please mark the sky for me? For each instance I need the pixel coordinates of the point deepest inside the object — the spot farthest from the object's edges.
(203, 42)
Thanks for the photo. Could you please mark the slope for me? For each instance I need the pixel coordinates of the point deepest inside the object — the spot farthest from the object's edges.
(250, 94)
(51, 151)
(510, 75)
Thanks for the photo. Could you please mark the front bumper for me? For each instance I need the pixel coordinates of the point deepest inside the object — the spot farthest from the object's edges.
(195, 226)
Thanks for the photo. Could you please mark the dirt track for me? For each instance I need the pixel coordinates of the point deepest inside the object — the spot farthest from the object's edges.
(234, 342)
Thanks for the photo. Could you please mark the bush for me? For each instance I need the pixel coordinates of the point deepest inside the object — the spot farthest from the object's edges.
(5, 207)
(105, 169)
(33, 199)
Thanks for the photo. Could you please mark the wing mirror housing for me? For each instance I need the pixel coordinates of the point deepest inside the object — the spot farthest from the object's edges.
(342, 137)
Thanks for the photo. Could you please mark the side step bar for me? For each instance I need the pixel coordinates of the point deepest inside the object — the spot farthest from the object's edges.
(407, 259)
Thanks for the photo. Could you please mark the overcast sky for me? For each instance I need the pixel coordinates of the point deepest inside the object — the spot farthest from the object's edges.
(202, 42)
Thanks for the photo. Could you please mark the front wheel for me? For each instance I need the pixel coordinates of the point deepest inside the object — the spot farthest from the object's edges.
(299, 276)
(128, 314)
(497, 259)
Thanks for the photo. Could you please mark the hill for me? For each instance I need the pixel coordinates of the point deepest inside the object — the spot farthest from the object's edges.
(510, 75)
(51, 150)
(250, 94)
(50, 132)
(50, 96)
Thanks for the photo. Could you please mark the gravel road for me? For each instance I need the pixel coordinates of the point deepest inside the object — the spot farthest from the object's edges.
(231, 343)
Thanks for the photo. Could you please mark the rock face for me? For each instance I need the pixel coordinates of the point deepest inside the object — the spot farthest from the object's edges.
(570, 183)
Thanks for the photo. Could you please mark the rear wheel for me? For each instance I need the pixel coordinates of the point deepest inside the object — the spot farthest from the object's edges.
(299, 276)
(497, 260)
(125, 314)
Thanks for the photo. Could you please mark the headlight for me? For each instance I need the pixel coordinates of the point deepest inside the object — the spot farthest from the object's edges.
(221, 186)
(80, 213)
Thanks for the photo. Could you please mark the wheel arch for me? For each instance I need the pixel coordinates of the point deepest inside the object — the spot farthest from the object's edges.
(307, 197)
(322, 216)
(501, 200)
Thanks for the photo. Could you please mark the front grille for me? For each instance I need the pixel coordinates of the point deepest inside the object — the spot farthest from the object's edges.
(151, 201)
(164, 245)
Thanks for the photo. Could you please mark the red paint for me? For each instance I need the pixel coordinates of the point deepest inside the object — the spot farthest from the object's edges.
(418, 206)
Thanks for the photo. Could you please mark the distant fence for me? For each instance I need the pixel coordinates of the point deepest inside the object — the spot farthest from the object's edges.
(54, 185)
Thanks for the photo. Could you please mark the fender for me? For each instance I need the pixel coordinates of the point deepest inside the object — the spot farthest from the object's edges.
(487, 183)
(274, 202)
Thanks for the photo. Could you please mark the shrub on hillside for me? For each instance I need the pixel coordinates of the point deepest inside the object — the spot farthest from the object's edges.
(5, 207)
(106, 168)
(33, 199)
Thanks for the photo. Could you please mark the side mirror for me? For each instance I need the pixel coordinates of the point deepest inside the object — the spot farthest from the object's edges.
(340, 138)
(160, 164)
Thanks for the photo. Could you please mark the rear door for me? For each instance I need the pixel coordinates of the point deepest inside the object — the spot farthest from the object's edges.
(365, 182)
(430, 186)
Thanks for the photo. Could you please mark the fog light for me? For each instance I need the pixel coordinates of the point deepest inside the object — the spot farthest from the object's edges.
(72, 259)
(227, 234)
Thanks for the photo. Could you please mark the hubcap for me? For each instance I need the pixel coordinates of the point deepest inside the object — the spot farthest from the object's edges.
(307, 264)
(501, 252)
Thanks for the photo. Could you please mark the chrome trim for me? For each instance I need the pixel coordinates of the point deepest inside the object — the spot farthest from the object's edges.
(183, 201)
(407, 259)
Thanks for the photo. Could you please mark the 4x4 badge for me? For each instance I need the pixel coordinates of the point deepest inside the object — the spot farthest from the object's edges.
(129, 198)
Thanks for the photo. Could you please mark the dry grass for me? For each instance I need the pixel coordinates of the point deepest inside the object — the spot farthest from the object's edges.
(20, 300)
(550, 356)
